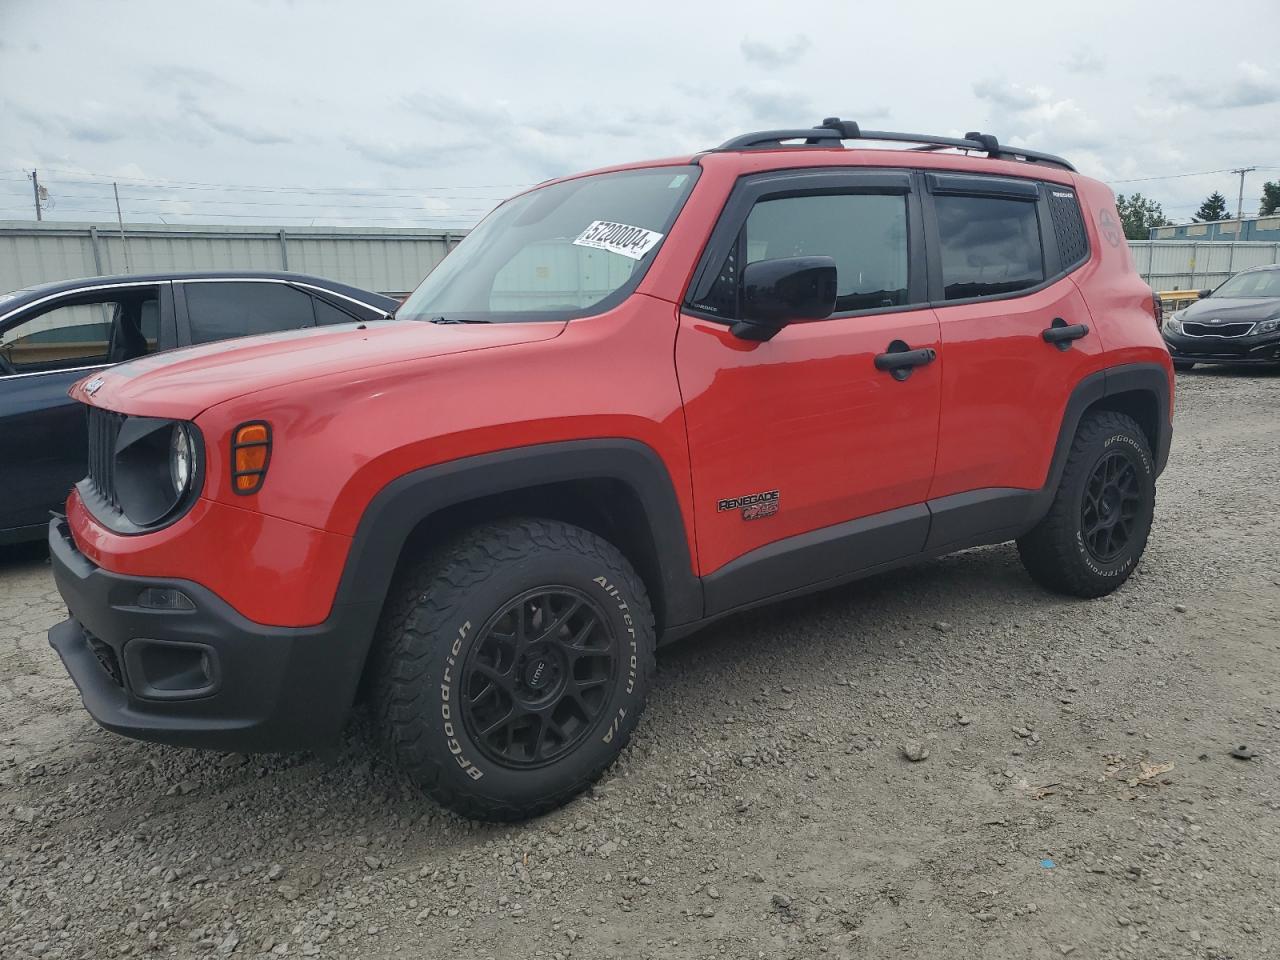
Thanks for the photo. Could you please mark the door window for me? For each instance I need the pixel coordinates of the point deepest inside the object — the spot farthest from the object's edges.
(83, 334)
(866, 235)
(220, 310)
(989, 245)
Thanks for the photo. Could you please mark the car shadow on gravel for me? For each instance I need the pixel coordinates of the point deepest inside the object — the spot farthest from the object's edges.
(13, 555)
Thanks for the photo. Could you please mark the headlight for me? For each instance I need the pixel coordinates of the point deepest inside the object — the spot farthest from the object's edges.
(180, 459)
(157, 468)
(1173, 324)
(1268, 326)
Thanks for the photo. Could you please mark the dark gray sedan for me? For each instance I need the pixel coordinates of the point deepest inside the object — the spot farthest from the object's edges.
(1237, 323)
(54, 334)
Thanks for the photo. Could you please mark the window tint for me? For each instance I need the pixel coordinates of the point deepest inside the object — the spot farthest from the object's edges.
(327, 313)
(222, 310)
(866, 235)
(989, 245)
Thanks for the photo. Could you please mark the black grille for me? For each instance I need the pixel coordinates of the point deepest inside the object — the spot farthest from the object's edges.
(104, 428)
(1216, 329)
(1068, 227)
(106, 657)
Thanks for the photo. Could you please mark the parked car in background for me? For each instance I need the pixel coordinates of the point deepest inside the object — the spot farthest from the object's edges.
(1237, 323)
(57, 333)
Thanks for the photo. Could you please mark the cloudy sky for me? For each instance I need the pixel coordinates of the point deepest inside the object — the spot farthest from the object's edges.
(427, 113)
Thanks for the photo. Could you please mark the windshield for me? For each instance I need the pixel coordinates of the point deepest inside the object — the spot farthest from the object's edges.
(1260, 283)
(557, 252)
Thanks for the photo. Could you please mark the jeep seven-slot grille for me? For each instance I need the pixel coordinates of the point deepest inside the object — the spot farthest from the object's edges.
(1216, 330)
(104, 428)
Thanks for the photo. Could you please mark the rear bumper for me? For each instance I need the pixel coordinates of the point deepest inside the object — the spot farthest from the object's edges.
(206, 677)
(1244, 350)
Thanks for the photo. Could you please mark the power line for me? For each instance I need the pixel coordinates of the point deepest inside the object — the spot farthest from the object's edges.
(110, 178)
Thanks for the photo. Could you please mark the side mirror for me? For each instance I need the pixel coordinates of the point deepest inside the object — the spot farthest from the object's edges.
(1204, 293)
(782, 291)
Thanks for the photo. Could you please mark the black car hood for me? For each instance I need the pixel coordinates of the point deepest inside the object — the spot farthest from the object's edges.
(1231, 310)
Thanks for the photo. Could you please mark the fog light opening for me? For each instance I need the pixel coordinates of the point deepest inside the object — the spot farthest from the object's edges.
(164, 598)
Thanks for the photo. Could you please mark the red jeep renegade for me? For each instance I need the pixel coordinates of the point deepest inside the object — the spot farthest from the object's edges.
(629, 403)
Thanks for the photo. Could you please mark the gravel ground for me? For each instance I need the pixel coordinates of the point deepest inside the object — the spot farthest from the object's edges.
(1078, 797)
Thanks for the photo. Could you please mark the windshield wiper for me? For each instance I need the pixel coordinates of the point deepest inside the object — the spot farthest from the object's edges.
(456, 320)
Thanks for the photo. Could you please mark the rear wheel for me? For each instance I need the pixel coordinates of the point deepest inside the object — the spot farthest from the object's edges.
(1097, 527)
(513, 667)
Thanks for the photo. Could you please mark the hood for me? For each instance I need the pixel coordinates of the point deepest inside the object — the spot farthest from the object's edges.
(180, 384)
(1229, 310)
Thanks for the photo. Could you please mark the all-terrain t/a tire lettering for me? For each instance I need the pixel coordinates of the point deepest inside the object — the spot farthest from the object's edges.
(513, 667)
(1091, 539)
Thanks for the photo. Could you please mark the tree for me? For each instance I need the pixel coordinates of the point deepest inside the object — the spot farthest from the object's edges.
(1213, 208)
(1138, 215)
(1270, 198)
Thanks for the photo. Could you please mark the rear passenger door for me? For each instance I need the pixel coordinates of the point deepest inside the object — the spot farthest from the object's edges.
(210, 310)
(1001, 254)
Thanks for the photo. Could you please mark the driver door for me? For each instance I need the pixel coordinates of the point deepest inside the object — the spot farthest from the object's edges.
(808, 461)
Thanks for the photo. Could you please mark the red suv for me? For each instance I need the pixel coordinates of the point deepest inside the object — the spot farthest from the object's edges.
(629, 403)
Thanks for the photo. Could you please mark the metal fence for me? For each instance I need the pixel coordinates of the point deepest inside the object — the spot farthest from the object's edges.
(1186, 265)
(388, 260)
(391, 260)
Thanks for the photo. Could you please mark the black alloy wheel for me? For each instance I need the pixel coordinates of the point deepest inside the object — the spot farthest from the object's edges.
(1110, 506)
(538, 676)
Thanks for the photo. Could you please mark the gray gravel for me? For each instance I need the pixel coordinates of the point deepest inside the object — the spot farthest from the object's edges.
(1078, 798)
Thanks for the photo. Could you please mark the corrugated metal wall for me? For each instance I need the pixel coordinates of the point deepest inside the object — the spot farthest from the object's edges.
(387, 260)
(1184, 265)
(394, 261)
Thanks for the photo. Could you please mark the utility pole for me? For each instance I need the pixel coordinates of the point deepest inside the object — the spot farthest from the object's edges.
(120, 222)
(1240, 196)
(35, 188)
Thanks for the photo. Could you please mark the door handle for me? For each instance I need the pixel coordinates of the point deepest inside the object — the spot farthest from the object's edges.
(1060, 333)
(899, 360)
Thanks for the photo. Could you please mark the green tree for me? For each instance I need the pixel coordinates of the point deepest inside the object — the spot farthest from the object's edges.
(1213, 208)
(1270, 198)
(1138, 215)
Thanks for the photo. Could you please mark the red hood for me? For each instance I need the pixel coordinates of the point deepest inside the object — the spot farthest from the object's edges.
(180, 384)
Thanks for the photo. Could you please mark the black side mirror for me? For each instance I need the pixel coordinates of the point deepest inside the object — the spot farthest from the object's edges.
(1204, 293)
(782, 291)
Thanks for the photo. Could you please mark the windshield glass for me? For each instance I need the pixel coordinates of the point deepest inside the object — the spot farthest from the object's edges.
(558, 252)
(1260, 283)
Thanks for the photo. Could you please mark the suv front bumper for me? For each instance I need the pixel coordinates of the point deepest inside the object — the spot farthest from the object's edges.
(1245, 350)
(205, 677)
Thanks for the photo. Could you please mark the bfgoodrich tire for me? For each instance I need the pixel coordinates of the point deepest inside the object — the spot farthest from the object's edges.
(513, 667)
(1091, 539)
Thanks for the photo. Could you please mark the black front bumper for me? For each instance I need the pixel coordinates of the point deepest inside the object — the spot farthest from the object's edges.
(206, 677)
(1228, 350)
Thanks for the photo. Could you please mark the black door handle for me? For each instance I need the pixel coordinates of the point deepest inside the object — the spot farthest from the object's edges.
(1060, 333)
(900, 359)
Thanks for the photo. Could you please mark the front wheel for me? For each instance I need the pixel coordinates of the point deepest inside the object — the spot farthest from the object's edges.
(513, 667)
(1097, 527)
(1183, 365)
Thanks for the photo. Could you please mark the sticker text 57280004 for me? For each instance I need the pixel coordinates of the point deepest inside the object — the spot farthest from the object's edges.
(620, 238)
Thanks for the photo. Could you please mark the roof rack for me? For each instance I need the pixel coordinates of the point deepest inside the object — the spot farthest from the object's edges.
(833, 131)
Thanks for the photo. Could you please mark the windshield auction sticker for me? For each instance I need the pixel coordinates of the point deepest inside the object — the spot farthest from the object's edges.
(633, 242)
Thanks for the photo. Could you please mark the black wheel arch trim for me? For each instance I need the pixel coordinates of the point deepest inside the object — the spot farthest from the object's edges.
(408, 500)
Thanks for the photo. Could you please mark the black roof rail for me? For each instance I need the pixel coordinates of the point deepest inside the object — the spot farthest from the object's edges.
(833, 131)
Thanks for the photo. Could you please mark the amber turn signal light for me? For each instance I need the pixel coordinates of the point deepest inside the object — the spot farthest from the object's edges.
(250, 454)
